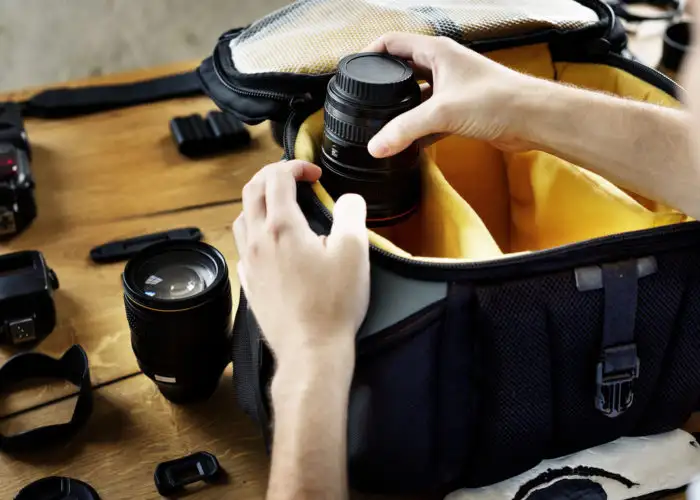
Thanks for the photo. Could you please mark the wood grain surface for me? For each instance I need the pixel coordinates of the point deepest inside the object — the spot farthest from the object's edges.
(115, 175)
(89, 301)
(123, 164)
(131, 430)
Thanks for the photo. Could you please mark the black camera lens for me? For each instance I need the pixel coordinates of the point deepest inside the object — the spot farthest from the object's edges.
(178, 303)
(369, 90)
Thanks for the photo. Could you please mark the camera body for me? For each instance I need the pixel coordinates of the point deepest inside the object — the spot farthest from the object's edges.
(27, 310)
(17, 203)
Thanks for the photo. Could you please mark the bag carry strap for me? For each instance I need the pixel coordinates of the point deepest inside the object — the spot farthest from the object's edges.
(67, 102)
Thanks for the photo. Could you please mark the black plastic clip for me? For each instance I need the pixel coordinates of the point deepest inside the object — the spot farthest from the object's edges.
(171, 477)
(616, 374)
(115, 251)
(619, 364)
(217, 133)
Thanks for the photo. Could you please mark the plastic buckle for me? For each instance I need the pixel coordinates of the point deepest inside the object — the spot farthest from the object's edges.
(615, 376)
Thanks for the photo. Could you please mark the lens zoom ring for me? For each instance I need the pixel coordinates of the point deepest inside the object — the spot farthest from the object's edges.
(347, 131)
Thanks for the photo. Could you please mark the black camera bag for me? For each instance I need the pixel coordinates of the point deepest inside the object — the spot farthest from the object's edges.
(473, 367)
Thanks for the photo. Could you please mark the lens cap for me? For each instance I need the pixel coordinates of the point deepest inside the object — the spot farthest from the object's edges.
(58, 488)
(370, 77)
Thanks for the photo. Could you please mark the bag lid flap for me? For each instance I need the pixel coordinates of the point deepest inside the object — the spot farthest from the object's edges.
(311, 36)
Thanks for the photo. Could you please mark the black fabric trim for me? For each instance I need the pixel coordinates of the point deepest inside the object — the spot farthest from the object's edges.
(636, 244)
(68, 102)
(582, 471)
(242, 93)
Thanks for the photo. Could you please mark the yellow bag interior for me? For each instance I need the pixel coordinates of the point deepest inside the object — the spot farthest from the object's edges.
(480, 203)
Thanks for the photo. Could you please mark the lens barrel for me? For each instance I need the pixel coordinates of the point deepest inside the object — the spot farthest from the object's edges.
(368, 91)
(178, 304)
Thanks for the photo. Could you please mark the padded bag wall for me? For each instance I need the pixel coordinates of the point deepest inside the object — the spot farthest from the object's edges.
(530, 309)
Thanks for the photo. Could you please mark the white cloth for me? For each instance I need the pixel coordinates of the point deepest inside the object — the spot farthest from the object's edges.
(624, 469)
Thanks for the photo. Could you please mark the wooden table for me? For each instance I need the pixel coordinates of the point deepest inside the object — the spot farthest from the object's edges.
(102, 177)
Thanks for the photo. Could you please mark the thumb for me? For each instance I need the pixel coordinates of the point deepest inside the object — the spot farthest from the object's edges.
(403, 130)
(349, 224)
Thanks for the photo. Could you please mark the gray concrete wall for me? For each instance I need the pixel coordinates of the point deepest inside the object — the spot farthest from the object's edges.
(45, 41)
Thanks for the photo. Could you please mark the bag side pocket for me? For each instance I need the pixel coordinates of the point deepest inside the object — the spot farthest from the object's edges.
(515, 400)
(391, 417)
(458, 396)
(578, 319)
(677, 396)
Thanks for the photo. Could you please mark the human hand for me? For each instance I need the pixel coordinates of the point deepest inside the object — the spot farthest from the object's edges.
(469, 95)
(309, 293)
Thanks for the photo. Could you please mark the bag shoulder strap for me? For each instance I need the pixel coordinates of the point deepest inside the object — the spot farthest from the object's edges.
(68, 102)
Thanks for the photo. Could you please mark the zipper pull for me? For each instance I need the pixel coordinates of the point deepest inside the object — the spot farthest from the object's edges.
(297, 102)
(228, 35)
(598, 47)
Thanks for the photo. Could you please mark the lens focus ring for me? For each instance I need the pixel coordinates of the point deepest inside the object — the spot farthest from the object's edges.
(347, 131)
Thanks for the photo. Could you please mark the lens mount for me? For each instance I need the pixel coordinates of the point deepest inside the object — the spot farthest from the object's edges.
(175, 275)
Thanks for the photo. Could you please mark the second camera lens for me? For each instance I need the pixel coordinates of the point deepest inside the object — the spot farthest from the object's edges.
(178, 303)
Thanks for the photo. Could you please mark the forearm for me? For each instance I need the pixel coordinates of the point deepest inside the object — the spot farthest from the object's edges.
(639, 146)
(310, 400)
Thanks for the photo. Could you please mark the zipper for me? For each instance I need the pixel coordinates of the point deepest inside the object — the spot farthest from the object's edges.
(591, 245)
(299, 112)
(405, 329)
(645, 72)
(267, 94)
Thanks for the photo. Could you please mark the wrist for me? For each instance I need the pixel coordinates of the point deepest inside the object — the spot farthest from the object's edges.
(331, 361)
(532, 108)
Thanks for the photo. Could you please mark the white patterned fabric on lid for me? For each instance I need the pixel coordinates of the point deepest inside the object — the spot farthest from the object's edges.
(310, 36)
(624, 469)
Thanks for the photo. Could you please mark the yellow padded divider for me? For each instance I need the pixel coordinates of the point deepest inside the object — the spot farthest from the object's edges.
(480, 203)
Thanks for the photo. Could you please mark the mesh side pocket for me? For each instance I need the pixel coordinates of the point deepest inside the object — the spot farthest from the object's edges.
(678, 393)
(392, 412)
(515, 403)
(576, 320)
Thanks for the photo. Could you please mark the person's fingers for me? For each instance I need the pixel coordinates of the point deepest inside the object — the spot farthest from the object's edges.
(254, 192)
(418, 48)
(403, 130)
(240, 270)
(254, 201)
(240, 236)
(421, 73)
(349, 223)
(431, 139)
(302, 171)
(426, 91)
(281, 195)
